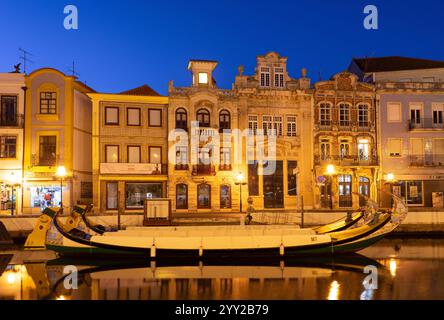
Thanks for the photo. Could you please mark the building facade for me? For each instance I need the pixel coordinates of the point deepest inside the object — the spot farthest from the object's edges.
(412, 141)
(202, 170)
(345, 142)
(12, 101)
(57, 133)
(279, 107)
(129, 146)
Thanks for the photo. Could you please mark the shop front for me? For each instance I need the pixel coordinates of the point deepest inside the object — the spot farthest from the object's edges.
(43, 194)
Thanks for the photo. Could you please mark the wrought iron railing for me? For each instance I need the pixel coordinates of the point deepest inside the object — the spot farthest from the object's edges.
(353, 160)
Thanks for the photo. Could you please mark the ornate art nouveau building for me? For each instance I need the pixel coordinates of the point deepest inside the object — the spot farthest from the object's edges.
(267, 112)
(344, 142)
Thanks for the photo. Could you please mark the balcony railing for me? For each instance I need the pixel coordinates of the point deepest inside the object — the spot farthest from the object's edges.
(15, 120)
(181, 167)
(346, 160)
(426, 123)
(204, 170)
(432, 160)
(225, 167)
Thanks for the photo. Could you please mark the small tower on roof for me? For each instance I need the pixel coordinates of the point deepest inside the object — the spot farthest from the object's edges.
(202, 71)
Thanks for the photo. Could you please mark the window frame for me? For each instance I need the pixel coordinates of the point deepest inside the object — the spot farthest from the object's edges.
(185, 207)
(49, 104)
(181, 111)
(107, 194)
(223, 122)
(139, 118)
(160, 153)
(203, 112)
(209, 196)
(149, 117)
(230, 200)
(6, 147)
(128, 153)
(107, 123)
(106, 152)
(40, 151)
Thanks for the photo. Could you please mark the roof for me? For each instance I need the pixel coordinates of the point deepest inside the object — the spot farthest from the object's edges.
(202, 60)
(396, 63)
(144, 90)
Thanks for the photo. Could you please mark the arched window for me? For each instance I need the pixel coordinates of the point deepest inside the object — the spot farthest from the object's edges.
(224, 120)
(344, 115)
(203, 117)
(181, 119)
(181, 196)
(225, 197)
(203, 196)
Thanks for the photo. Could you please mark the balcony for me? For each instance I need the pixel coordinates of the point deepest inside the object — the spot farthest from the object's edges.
(134, 168)
(204, 170)
(347, 161)
(426, 124)
(15, 120)
(181, 167)
(225, 167)
(431, 160)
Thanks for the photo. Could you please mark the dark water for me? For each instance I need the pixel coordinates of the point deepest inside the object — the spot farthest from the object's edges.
(406, 269)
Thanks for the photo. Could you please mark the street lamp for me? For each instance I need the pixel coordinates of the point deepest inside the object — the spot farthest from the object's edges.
(14, 181)
(330, 172)
(61, 173)
(240, 182)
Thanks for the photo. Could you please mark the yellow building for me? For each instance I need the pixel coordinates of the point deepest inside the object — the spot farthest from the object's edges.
(345, 145)
(129, 149)
(57, 133)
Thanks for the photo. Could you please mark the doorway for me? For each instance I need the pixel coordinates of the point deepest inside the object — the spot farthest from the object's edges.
(345, 191)
(364, 189)
(274, 188)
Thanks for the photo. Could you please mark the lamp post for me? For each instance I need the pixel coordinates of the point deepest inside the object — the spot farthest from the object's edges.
(240, 182)
(13, 182)
(330, 172)
(61, 173)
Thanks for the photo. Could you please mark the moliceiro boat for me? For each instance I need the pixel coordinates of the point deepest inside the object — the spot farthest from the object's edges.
(221, 241)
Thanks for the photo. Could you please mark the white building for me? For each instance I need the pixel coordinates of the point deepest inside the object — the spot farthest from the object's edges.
(12, 97)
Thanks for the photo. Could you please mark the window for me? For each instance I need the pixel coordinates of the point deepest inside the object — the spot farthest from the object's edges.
(291, 126)
(363, 150)
(8, 147)
(137, 193)
(181, 155)
(292, 176)
(252, 125)
(134, 155)
(325, 149)
(416, 147)
(203, 196)
(224, 120)
(48, 102)
(181, 119)
(203, 117)
(395, 147)
(225, 197)
(363, 119)
(437, 116)
(112, 196)
(415, 115)
(394, 112)
(411, 191)
(279, 77)
(203, 78)
(277, 126)
(267, 125)
(344, 115)
(225, 158)
(133, 117)
(344, 149)
(265, 77)
(253, 179)
(111, 116)
(47, 150)
(325, 114)
(111, 154)
(8, 112)
(181, 196)
(438, 151)
(154, 117)
(155, 155)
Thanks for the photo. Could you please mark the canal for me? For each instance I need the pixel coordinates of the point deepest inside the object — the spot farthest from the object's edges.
(406, 269)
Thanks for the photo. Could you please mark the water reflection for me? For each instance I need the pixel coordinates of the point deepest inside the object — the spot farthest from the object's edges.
(342, 278)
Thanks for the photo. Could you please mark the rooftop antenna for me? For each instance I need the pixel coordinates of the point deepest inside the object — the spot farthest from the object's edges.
(72, 70)
(24, 58)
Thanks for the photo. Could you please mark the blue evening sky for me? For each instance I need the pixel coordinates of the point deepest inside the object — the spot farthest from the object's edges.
(123, 44)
